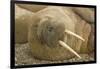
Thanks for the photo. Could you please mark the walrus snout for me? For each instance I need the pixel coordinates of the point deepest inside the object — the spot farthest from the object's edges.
(50, 31)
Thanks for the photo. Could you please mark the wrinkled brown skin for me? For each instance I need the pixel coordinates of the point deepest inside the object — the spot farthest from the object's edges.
(86, 13)
(91, 44)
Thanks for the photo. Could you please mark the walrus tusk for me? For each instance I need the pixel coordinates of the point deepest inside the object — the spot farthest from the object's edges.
(69, 48)
(71, 33)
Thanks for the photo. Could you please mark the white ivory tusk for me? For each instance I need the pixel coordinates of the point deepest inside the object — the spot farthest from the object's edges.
(69, 48)
(71, 33)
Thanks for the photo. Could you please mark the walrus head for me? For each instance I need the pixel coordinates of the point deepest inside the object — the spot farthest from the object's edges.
(52, 33)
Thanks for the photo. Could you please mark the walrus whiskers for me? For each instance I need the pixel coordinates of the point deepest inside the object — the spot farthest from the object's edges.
(71, 33)
(69, 48)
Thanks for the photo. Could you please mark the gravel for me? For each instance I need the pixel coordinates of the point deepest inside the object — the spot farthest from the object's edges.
(23, 56)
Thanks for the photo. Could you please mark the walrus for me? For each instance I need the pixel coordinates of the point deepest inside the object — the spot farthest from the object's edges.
(52, 35)
(22, 16)
(87, 14)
